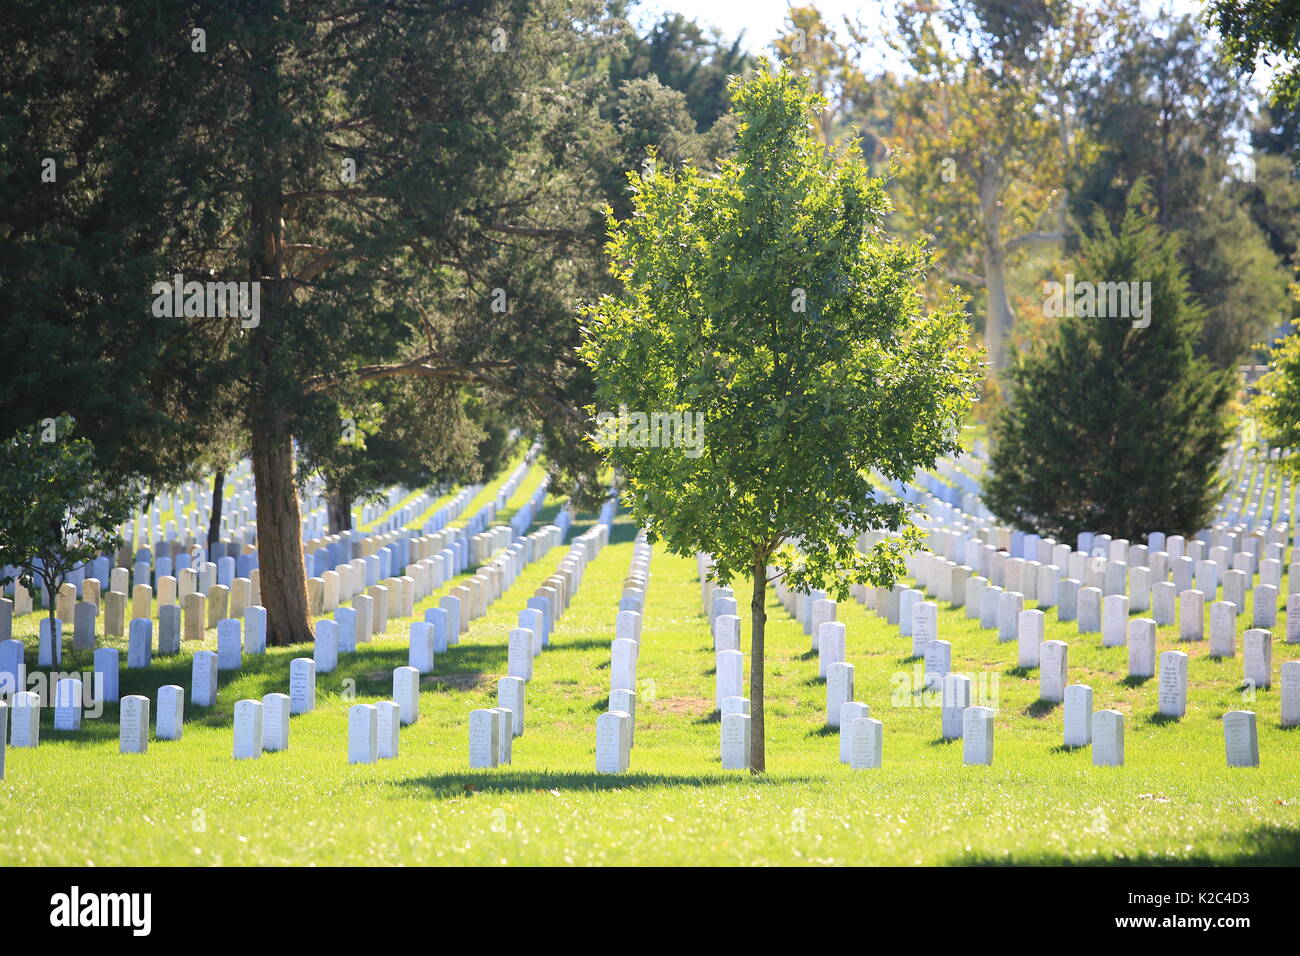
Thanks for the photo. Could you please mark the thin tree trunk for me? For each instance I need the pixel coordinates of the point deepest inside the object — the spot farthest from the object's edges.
(340, 513)
(214, 522)
(279, 538)
(758, 625)
(998, 324)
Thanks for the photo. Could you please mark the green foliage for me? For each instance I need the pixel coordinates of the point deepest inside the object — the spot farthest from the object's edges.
(1277, 407)
(1157, 104)
(768, 300)
(57, 508)
(1110, 427)
(1267, 30)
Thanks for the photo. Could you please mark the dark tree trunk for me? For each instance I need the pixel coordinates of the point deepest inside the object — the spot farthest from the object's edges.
(340, 513)
(758, 625)
(214, 522)
(275, 391)
(279, 539)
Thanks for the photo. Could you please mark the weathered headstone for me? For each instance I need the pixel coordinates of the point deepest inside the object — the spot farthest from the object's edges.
(133, 727)
(1142, 647)
(849, 712)
(519, 653)
(1114, 620)
(1241, 738)
(1290, 694)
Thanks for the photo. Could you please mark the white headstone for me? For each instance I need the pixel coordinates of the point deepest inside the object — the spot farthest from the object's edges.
(925, 626)
(325, 649)
(1108, 738)
(1291, 693)
(406, 692)
(203, 679)
(519, 653)
(625, 702)
(613, 742)
(977, 735)
(248, 729)
(1053, 665)
(484, 746)
(735, 742)
(388, 721)
(839, 689)
(363, 733)
(171, 712)
(230, 645)
(133, 725)
(1257, 657)
(955, 698)
(275, 722)
(25, 718)
(1030, 637)
(730, 675)
(302, 685)
(849, 712)
(1078, 715)
(1142, 647)
(1172, 690)
(1241, 738)
(866, 737)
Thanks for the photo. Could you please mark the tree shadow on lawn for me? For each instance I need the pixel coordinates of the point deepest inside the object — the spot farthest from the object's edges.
(1041, 708)
(1271, 846)
(452, 785)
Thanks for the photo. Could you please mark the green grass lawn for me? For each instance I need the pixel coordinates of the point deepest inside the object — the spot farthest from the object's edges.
(75, 800)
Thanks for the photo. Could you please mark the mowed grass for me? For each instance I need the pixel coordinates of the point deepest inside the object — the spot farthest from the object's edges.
(77, 801)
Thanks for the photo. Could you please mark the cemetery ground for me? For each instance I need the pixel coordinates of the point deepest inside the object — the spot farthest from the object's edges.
(76, 801)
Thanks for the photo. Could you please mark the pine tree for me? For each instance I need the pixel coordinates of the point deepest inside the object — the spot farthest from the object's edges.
(1114, 424)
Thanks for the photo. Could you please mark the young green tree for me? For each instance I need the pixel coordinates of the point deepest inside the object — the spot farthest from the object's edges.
(1111, 426)
(1277, 407)
(57, 508)
(769, 300)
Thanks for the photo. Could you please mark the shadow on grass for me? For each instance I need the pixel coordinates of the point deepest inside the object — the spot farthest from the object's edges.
(1270, 846)
(1134, 681)
(1019, 671)
(825, 730)
(1041, 708)
(452, 785)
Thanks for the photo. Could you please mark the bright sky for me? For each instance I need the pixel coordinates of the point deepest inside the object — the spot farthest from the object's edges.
(762, 20)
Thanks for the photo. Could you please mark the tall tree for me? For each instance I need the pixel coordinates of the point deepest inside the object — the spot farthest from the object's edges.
(987, 129)
(1114, 424)
(1263, 30)
(1158, 106)
(768, 300)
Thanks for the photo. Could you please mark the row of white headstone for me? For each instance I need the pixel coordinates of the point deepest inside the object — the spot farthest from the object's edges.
(492, 730)
(616, 728)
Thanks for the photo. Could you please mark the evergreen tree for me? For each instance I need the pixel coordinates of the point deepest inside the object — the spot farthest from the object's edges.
(1112, 426)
